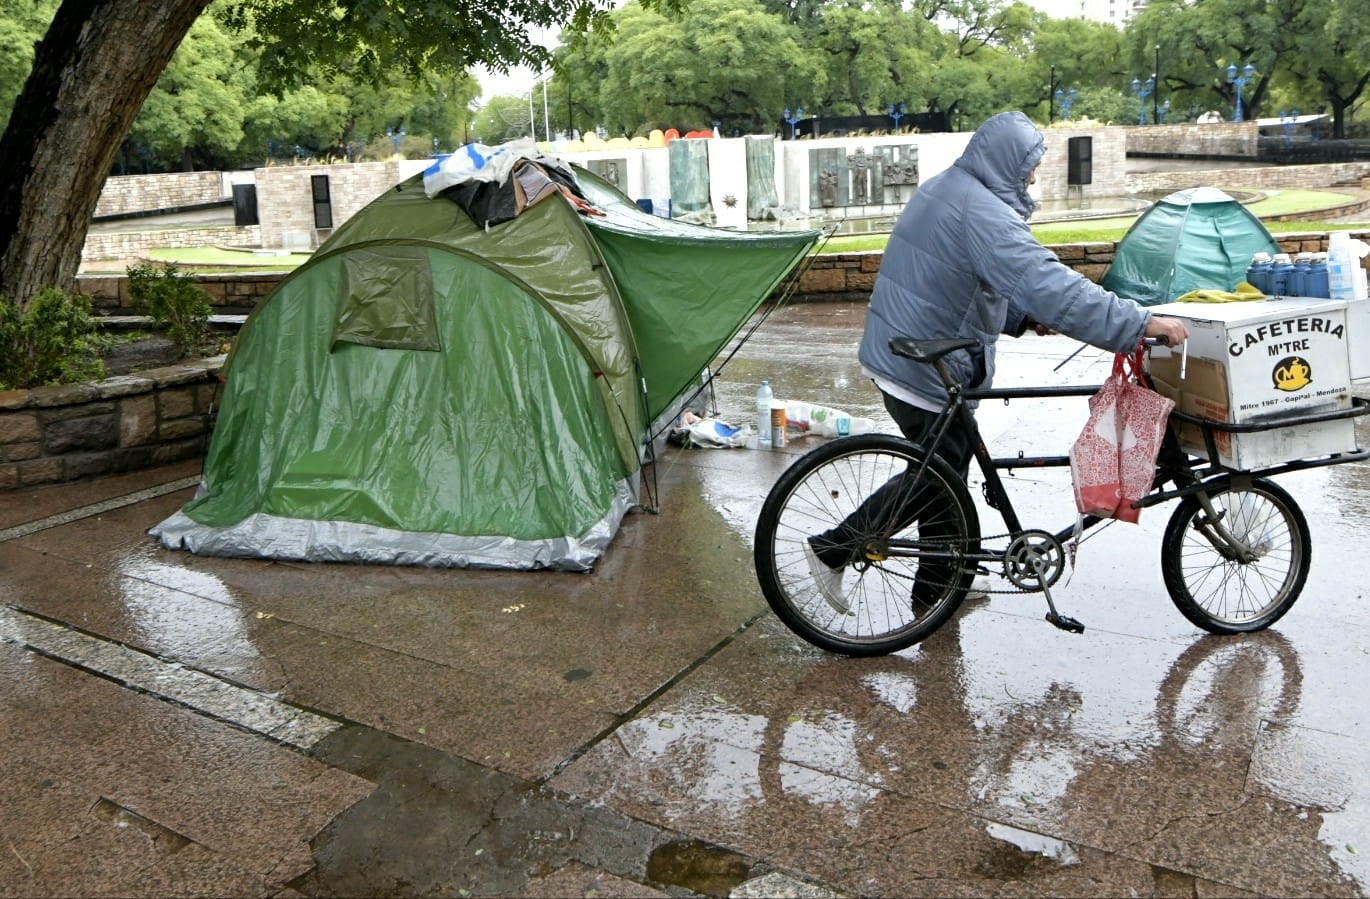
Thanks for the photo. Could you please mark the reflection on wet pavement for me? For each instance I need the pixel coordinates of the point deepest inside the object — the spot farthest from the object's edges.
(652, 729)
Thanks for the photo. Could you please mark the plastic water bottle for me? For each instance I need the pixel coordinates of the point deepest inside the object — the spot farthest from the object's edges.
(1280, 271)
(1345, 275)
(1298, 278)
(1317, 277)
(764, 398)
(1258, 275)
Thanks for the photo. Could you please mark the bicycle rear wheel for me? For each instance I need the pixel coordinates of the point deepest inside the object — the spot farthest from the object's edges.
(1210, 584)
(821, 490)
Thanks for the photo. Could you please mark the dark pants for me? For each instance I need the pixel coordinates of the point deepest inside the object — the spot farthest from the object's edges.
(840, 545)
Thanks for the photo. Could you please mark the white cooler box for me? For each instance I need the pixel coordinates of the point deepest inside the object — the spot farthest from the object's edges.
(1258, 362)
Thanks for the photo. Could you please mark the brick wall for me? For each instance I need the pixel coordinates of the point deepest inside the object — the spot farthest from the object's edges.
(229, 294)
(1108, 162)
(285, 197)
(850, 276)
(52, 434)
(142, 193)
(1313, 177)
(1225, 139)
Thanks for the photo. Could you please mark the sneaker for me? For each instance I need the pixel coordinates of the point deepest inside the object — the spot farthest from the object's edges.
(827, 579)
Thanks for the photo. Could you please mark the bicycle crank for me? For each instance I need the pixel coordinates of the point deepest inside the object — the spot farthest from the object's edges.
(1035, 561)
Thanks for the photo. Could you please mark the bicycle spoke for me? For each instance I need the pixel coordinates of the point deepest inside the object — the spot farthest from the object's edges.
(1245, 586)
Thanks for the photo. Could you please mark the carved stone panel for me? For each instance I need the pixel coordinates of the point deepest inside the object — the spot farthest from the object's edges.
(897, 174)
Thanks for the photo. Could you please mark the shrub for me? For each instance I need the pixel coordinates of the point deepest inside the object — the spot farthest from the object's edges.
(53, 341)
(174, 302)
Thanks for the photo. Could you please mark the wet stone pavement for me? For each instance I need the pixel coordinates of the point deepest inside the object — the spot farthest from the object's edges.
(179, 726)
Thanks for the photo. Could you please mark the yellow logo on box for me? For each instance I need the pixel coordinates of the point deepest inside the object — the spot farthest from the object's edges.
(1292, 373)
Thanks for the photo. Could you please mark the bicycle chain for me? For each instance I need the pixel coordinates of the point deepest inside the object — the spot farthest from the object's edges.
(1003, 575)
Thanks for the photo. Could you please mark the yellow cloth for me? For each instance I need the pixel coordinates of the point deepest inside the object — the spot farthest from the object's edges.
(1243, 292)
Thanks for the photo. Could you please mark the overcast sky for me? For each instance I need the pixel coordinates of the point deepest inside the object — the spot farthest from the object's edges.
(520, 79)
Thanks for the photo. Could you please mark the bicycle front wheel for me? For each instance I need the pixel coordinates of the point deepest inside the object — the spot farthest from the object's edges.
(938, 527)
(1233, 588)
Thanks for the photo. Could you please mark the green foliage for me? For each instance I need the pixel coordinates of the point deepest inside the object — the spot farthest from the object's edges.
(724, 61)
(21, 25)
(54, 340)
(174, 302)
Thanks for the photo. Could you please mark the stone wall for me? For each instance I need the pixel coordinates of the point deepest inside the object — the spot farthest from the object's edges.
(1230, 140)
(124, 194)
(229, 294)
(127, 247)
(1108, 163)
(1312, 177)
(851, 276)
(829, 278)
(52, 434)
(285, 198)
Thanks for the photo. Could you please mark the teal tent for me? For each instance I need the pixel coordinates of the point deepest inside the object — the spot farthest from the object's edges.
(429, 391)
(1195, 239)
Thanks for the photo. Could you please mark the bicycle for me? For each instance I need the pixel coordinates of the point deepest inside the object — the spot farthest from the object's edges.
(1234, 555)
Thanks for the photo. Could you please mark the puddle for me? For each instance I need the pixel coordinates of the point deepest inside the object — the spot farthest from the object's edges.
(698, 867)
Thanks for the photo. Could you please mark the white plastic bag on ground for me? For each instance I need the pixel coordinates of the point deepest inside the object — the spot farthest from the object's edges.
(822, 420)
(691, 430)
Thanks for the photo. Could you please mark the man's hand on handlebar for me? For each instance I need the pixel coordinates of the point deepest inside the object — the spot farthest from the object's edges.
(1167, 331)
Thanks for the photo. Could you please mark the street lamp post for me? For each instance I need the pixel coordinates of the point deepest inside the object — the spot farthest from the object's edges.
(1161, 111)
(1293, 116)
(1240, 81)
(1143, 91)
(396, 135)
(1156, 94)
(1067, 99)
(794, 120)
(897, 113)
(1052, 93)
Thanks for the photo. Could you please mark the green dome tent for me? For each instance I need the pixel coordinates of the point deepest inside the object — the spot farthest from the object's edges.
(1195, 239)
(428, 391)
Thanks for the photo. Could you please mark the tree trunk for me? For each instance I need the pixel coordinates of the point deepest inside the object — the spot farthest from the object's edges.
(91, 74)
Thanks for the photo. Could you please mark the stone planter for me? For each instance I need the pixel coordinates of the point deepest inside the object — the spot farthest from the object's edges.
(126, 422)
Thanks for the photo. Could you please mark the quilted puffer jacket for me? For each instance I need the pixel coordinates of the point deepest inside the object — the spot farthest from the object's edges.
(962, 263)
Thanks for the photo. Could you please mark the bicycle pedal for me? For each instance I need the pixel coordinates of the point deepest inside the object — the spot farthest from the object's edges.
(1066, 623)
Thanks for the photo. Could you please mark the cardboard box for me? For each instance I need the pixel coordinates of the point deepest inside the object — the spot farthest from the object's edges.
(1260, 362)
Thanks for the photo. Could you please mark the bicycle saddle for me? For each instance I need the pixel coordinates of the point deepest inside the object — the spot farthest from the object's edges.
(929, 351)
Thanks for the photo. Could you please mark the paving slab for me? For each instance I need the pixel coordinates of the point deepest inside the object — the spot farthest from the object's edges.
(650, 728)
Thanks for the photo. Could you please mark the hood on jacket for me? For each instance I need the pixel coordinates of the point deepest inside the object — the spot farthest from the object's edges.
(1002, 154)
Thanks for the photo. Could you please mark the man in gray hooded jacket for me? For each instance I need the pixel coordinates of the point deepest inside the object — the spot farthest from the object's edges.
(962, 262)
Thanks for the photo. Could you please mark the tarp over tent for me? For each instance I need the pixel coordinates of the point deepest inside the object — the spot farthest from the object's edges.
(1195, 239)
(428, 391)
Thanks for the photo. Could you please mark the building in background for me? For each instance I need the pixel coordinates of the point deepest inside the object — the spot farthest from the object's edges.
(1114, 12)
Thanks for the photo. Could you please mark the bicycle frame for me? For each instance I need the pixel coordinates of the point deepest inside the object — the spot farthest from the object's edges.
(1189, 475)
(868, 544)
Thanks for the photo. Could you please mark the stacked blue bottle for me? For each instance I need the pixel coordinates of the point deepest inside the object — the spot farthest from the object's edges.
(1258, 275)
(1280, 272)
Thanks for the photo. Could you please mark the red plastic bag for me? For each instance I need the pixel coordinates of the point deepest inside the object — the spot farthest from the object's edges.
(1113, 461)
